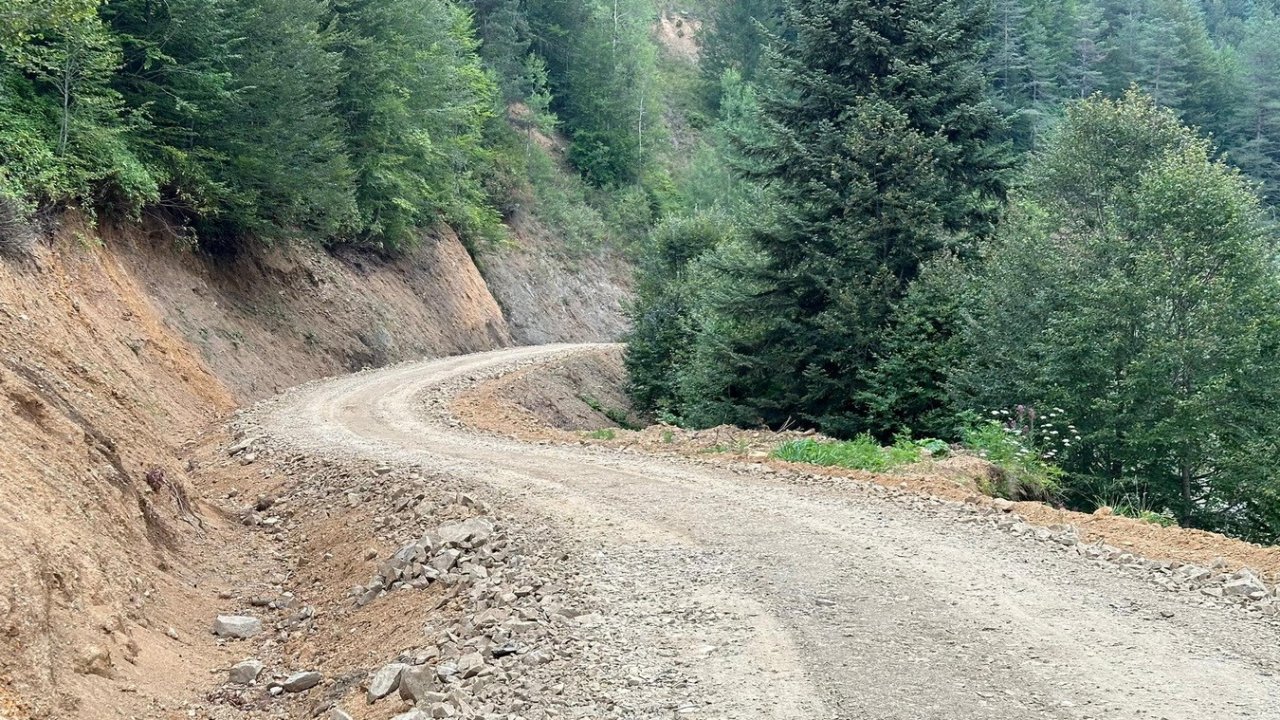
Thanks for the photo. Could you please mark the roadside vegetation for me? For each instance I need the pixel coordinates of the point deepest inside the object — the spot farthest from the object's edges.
(1055, 247)
(364, 122)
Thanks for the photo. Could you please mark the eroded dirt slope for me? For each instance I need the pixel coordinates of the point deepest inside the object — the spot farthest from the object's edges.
(121, 356)
(273, 317)
(97, 402)
(550, 294)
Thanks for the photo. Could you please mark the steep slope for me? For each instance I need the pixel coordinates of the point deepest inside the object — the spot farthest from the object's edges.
(549, 294)
(277, 316)
(120, 356)
(97, 401)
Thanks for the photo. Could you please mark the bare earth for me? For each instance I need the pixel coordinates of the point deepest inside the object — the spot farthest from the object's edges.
(741, 592)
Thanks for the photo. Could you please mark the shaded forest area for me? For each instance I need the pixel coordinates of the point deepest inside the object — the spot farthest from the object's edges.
(1044, 230)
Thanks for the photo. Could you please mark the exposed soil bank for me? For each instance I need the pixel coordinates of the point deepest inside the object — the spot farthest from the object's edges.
(120, 357)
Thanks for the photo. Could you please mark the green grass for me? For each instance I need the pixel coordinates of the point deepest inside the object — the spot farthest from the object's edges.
(615, 415)
(1132, 505)
(1024, 476)
(605, 434)
(861, 453)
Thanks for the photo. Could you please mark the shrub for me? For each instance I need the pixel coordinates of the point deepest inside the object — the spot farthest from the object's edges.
(17, 235)
(1023, 473)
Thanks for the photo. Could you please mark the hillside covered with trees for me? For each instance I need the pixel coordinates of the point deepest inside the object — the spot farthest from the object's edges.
(1044, 230)
(337, 122)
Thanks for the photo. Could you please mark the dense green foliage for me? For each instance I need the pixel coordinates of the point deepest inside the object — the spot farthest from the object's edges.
(1105, 333)
(1135, 287)
(336, 120)
(879, 143)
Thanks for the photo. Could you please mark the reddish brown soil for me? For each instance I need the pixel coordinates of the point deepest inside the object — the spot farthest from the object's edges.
(120, 355)
(95, 394)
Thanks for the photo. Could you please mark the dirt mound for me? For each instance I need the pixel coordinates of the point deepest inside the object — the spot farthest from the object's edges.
(579, 393)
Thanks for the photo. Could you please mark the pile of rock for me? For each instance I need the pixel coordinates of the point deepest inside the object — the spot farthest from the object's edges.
(509, 628)
(469, 548)
(1243, 588)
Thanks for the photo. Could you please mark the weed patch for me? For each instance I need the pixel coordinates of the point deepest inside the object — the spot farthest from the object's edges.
(1024, 475)
(861, 453)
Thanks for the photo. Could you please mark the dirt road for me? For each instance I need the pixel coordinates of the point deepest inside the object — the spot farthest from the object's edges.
(730, 593)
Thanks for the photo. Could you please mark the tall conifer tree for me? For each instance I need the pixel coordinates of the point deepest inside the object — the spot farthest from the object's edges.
(883, 149)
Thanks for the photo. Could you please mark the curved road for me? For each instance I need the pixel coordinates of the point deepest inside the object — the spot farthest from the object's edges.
(737, 594)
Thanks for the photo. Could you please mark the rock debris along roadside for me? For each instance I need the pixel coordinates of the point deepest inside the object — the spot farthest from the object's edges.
(601, 583)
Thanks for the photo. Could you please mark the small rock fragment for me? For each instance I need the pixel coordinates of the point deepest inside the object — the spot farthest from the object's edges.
(301, 681)
(385, 681)
(416, 682)
(95, 660)
(245, 672)
(470, 665)
(236, 626)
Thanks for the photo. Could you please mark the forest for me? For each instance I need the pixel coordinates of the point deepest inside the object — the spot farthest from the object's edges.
(1043, 230)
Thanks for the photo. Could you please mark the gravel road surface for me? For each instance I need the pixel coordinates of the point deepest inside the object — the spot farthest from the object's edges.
(740, 593)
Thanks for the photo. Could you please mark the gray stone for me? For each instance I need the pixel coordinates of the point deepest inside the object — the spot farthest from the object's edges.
(385, 681)
(339, 714)
(414, 714)
(245, 672)
(1245, 586)
(475, 531)
(445, 559)
(470, 665)
(236, 626)
(416, 682)
(1192, 573)
(241, 446)
(488, 618)
(301, 681)
(442, 710)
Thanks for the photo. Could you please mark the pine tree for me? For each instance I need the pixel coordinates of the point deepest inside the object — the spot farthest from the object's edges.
(413, 97)
(600, 61)
(1258, 151)
(882, 151)
(240, 98)
(503, 30)
(735, 37)
(1091, 48)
